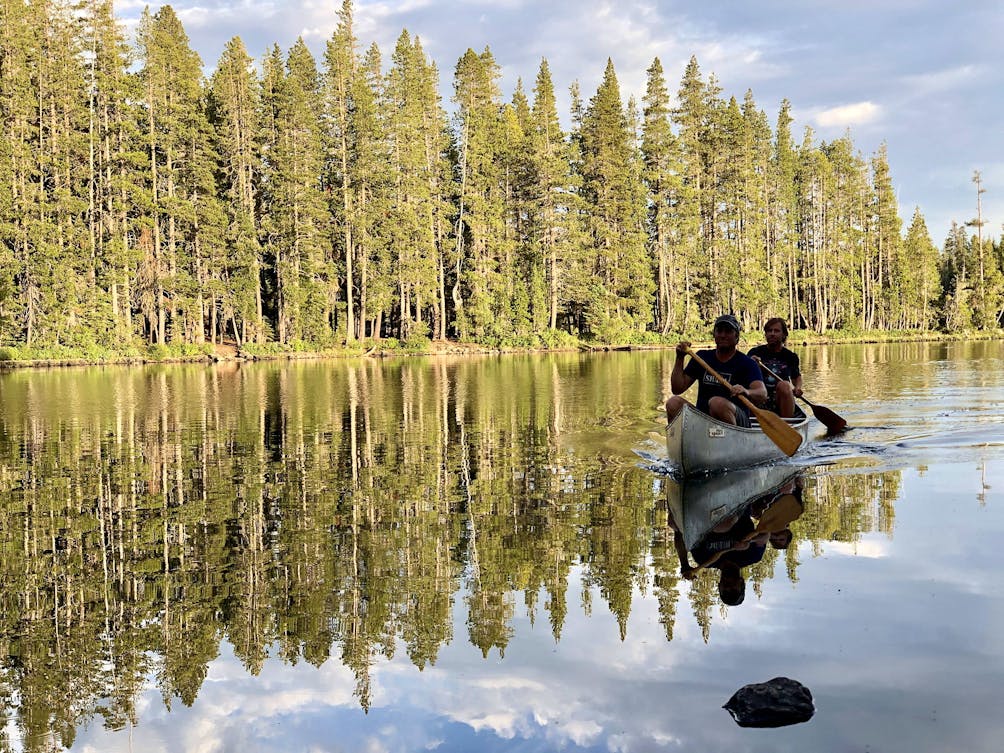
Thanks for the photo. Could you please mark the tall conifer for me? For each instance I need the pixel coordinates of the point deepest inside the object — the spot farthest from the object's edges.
(299, 212)
(479, 225)
(621, 292)
(663, 179)
(340, 90)
(176, 135)
(235, 286)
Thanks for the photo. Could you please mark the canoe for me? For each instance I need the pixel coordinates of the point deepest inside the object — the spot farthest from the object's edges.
(699, 504)
(697, 443)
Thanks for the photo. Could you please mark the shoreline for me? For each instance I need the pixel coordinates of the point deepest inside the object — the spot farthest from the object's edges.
(231, 354)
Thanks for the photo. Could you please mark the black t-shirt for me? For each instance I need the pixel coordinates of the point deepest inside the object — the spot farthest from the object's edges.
(723, 541)
(740, 369)
(784, 363)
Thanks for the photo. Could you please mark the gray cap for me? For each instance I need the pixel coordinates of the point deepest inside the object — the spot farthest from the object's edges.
(729, 320)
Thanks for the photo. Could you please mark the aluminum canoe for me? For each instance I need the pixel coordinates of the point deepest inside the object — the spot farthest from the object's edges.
(698, 444)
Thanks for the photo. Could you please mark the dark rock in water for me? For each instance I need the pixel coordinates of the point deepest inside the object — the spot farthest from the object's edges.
(775, 703)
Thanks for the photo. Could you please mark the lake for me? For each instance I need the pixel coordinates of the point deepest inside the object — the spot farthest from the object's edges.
(476, 553)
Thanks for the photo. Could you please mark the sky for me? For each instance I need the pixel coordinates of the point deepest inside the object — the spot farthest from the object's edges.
(926, 77)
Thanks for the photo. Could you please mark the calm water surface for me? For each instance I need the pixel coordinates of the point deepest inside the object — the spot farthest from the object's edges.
(459, 555)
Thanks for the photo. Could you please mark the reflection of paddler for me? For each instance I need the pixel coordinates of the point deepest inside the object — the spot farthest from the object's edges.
(728, 547)
(775, 512)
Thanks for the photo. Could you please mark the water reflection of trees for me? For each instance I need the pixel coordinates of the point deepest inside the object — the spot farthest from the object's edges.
(314, 512)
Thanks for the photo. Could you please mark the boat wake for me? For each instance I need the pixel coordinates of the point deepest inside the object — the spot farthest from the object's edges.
(899, 447)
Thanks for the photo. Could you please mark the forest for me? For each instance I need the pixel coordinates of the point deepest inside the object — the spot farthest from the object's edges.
(291, 203)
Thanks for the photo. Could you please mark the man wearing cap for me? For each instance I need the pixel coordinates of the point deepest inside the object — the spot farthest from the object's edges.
(741, 371)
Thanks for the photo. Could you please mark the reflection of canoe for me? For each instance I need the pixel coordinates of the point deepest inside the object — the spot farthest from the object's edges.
(698, 504)
(698, 443)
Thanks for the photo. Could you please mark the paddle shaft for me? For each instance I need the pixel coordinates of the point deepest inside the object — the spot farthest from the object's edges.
(831, 420)
(778, 377)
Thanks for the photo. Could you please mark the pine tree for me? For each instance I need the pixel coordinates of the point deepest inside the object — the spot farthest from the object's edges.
(693, 117)
(840, 295)
(783, 212)
(520, 266)
(179, 179)
(416, 132)
(811, 180)
(479, 223)
(737, 277)
(113, 131)
(988, 279)
(371, 181)
(663, 179)
(340, 90)
(955, 280)
(886, 236)
(759, 287)
(551, 193)
(19, 173)
(620, 301)
(271, 191)
(235, 286)
(45, 215)
(298, 212)
(577, 269)
(917, 269)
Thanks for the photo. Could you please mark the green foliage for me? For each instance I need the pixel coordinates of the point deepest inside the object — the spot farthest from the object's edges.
(416, 343)
(559, 339)
(177, 351)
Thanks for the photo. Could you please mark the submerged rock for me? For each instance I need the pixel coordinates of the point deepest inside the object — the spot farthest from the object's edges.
(775, 703)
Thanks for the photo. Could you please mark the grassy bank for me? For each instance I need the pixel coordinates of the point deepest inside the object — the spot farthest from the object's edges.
(24, 357)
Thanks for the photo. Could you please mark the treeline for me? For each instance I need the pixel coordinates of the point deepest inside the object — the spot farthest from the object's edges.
(300, 517)
(305, 202)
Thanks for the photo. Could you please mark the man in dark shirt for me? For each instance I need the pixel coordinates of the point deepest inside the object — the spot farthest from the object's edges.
(781, 393)
(712, 398)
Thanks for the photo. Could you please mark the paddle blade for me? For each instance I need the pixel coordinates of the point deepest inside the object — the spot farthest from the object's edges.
(834, 424)
(780, 432)
(779, 515)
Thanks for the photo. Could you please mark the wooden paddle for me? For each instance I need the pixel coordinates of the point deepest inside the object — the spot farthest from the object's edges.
(834, 424)
(776, 428)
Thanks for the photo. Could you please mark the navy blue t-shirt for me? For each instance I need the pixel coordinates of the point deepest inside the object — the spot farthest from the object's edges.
(740, 369)
(725, 541)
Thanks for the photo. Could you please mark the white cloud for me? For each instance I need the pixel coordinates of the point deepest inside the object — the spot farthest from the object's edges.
(845, 116)
(946, 80)
(870, 547)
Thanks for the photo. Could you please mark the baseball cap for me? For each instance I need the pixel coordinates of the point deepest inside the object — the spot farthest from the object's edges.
(729, 320)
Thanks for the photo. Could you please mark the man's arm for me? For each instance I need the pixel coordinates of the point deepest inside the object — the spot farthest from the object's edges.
(680, 382)
(757, 392)
(796, 381)
(684, 556)
(756, 359)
